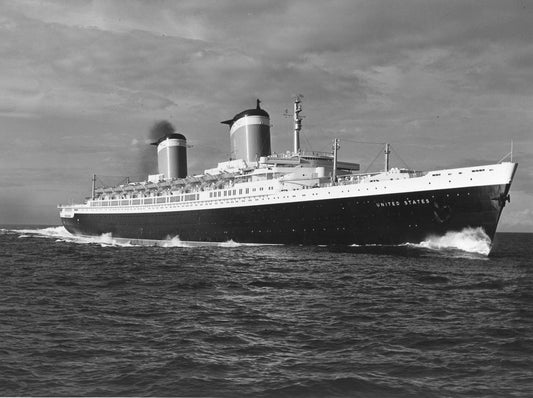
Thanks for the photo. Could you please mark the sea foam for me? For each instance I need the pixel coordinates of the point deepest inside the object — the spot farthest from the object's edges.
(472, 240)
(60, 234)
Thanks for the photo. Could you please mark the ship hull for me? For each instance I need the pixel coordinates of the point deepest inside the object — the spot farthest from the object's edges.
(377, 219)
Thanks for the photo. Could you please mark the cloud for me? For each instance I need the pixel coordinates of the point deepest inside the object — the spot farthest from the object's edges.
(111, 16)
(518, 214)
(79, 80)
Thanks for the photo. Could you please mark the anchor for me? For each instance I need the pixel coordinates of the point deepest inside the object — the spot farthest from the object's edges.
(502, 199)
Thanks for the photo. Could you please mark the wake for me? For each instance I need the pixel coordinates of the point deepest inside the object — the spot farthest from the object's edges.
(469, 240)
(60, 234)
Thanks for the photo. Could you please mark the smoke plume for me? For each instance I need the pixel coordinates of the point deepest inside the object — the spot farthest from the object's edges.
(160, 129)
(147, 153)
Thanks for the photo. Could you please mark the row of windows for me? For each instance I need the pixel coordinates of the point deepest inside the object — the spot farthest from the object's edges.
(227, 192)
(233, 192)
(189, 197)
(146, 201)
(173, 199)
(194, 196)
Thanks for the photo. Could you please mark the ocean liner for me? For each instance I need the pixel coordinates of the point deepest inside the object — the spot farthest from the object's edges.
(296, 197)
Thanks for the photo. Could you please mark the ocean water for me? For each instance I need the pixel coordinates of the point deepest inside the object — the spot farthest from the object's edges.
(95, 317)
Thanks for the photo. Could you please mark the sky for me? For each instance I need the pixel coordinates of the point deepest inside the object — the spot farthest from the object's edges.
(449, 83)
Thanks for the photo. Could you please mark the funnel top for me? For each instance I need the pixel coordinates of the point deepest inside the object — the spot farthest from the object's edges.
(257, 111)
(177, 136)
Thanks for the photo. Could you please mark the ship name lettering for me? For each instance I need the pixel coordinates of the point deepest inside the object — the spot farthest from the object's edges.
(388, 204)
(405, 202)
(416, 201)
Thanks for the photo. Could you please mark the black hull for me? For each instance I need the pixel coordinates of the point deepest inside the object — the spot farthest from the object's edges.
(383, 219)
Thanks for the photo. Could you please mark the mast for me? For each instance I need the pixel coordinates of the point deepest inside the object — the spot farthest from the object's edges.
(336, 147)
(297, 122)
(387, 153)
(93, 187)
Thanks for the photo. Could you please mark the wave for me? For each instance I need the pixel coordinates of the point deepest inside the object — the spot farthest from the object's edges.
(53, 232)
(471, 240)
(60, 234)
(472, 243)
(177, 242)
